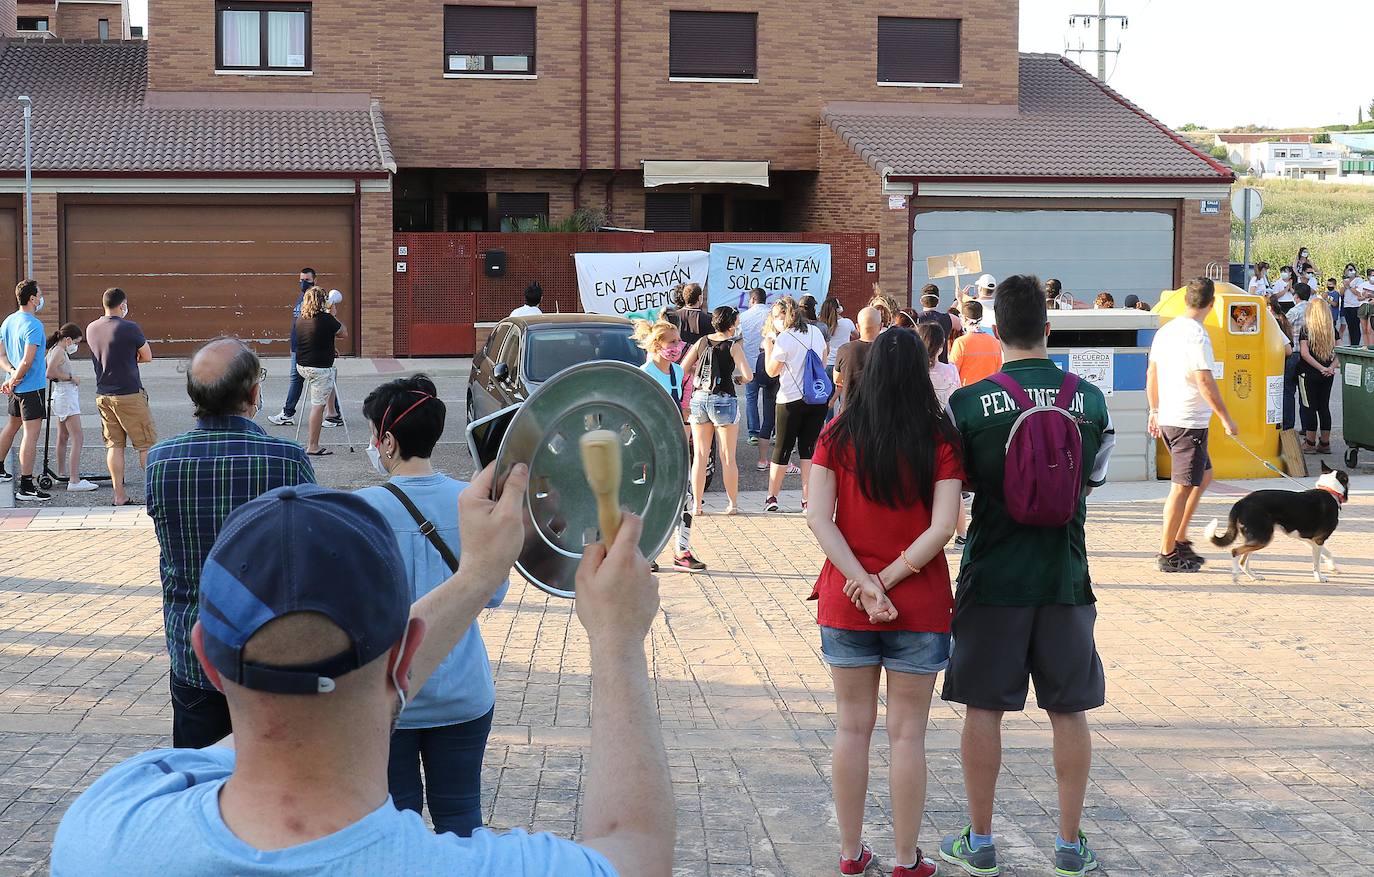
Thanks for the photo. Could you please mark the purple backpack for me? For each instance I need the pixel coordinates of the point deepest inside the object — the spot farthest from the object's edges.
(1043, 479)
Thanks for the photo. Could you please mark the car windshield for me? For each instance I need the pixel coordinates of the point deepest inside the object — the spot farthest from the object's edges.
(553, 349)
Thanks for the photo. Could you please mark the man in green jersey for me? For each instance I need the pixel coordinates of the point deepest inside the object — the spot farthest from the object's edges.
(1024, 607)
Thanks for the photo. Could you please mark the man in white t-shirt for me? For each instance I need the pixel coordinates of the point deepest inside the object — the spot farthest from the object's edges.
(534, 296)
(987, 297)
(1182, 392)
(316, 649)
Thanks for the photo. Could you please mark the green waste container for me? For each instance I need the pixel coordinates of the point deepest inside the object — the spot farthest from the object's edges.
(1357, 401)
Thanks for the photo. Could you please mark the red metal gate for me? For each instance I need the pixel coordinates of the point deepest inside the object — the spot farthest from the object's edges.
(441, 290)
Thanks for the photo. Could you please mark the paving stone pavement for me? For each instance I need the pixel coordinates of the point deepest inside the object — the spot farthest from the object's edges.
(1238, 738)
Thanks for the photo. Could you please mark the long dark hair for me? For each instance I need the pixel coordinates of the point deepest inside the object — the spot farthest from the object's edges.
(894, 423)
(67, 330)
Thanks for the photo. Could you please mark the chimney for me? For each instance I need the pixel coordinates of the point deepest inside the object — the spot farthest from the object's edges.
(9, 18)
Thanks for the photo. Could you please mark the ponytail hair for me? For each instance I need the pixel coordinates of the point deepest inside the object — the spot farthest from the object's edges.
(66, 330)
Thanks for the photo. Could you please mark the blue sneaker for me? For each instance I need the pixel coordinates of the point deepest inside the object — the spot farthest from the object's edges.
(1075, 863)
(981, 862)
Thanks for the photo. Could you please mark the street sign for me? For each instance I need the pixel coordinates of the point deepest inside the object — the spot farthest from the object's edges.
(1211, 208)
(1247, 196)
(954, 265)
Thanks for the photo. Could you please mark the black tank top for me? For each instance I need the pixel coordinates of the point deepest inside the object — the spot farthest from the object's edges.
(716, 368)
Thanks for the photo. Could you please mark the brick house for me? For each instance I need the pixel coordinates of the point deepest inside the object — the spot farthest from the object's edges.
(187, 167)
(71, 19)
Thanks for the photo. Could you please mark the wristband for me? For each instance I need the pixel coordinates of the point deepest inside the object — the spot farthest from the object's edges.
(914, 570)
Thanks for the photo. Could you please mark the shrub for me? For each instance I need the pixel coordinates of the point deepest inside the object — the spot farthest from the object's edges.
(1335, 222)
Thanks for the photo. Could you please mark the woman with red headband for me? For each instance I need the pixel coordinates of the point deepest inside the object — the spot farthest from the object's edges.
(445, 725)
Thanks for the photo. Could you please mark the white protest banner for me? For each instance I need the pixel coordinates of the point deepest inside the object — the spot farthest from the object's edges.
(635, 285)
(778, 269)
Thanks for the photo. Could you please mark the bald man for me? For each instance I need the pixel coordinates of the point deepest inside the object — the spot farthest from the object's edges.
(849, 361)
(194, 481)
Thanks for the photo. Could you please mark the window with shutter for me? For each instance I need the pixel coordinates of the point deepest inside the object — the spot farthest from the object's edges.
(668, 211)
(513, 208)
(713, 45)
(918, 51)
(489, 39)
(262, 36)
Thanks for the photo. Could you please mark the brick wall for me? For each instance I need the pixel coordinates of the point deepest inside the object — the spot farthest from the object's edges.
(1206, 239)
(810, 51)
(9, 17)
(44, 255)
(377, 265)
(848, 196)
(80, 21)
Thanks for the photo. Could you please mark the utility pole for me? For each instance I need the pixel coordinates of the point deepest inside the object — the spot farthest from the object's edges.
(1101, 19)
(28, 183)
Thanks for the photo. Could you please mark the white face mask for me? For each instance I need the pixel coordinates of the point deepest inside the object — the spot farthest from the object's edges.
(42, 303)
(71, 348)
(374, 454)
(125, 314)
(779, 325)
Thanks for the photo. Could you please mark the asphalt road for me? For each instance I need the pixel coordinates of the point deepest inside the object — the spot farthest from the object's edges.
(166, 386)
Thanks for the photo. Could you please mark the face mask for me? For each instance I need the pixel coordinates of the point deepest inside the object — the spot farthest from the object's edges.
(374, 454)
(779, 325)
(42, 302)
(305, 285)
(71, 348)
(400, 692)
(125, 313)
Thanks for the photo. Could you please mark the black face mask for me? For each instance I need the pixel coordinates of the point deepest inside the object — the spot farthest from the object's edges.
(305, 285)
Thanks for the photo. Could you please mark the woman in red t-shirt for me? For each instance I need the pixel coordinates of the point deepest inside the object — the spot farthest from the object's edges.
(885, 489)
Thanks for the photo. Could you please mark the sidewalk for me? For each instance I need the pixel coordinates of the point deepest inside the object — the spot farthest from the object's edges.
(1238, 738)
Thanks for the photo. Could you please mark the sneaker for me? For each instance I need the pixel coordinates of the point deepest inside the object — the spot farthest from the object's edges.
(981, 862)
(924, 867)
(960, 542)
(771, 505)
(1185, 551)
(1075, 863)
(859, 865)
(688, 561)
(793, 469)
(754, 440)
(334, 418)
(29, 492)
(653, 566)
(82, 486)
(282, 419)
(331, 424)
(1176, 562)
(5, 477)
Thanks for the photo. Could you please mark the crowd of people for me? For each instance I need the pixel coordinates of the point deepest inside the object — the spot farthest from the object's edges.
(328, 679)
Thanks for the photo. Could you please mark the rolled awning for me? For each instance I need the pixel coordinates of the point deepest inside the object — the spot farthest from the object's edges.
(669, 173)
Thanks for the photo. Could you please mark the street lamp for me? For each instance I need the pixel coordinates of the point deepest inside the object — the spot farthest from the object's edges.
(28, 182)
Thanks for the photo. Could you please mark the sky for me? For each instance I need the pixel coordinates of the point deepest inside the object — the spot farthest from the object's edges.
(1219, 63)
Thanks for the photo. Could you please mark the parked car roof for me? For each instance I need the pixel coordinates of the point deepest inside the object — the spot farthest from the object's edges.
(567, 319)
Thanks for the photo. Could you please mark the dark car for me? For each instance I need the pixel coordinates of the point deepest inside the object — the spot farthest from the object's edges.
(523, 352)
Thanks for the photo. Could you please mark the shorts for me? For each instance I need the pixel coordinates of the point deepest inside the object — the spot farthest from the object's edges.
(1188, 453)
(898, 651)
(1366, 310)
(28, 406)
(66, 400)
(319, 381)
(720, 410)
(999, 649)
(799, 425)
(127, 419)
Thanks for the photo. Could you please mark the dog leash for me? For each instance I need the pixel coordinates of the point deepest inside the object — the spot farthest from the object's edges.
(1265, 463)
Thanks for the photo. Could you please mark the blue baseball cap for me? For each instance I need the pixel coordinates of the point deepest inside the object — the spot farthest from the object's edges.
(303, 549)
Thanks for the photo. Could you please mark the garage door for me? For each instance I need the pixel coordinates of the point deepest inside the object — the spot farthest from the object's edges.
(1090, 251)
(9, 251)
(197, 271)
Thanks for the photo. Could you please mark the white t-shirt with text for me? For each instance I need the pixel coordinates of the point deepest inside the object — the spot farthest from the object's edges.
(1181, 349)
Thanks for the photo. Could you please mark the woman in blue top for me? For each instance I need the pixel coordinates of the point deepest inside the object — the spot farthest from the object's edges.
(446, 724)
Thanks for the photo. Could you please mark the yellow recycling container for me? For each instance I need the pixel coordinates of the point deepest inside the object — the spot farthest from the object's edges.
(1249, 350)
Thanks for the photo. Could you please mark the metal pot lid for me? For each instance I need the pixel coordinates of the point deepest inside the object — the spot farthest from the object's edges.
(560, 509)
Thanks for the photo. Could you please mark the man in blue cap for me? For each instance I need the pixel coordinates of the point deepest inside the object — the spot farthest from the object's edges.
(306, 624)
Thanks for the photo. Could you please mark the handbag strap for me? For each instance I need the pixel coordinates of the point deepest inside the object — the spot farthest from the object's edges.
(427, 529)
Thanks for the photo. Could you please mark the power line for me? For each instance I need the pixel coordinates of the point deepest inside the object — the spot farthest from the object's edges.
(1101, 19)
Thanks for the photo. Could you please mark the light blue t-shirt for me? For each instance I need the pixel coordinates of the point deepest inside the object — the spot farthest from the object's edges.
(19, 330)
(670, 381)
(158, 814)
(461, 687)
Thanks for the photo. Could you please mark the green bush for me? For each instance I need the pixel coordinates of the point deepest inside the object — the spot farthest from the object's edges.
(1335, 222)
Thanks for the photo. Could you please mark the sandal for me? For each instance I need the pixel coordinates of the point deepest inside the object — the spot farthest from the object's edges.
(1324, 449)
(322, 452)
(1309, 448)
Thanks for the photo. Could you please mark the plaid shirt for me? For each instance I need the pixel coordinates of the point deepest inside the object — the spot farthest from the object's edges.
(194, 481)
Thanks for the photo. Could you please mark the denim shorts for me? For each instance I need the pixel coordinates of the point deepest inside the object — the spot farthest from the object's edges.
(720, 410)
(902, 651)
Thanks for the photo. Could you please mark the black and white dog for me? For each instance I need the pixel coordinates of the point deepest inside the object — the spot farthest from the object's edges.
(1311, 516)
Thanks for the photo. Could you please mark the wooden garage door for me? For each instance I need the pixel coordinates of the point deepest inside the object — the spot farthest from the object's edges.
(9, 252)
(197, 271)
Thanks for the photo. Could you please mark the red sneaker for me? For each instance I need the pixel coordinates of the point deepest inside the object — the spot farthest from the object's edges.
(859, 865)
(924, 867)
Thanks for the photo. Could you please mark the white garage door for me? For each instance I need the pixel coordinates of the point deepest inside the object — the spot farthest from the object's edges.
(1090, 251)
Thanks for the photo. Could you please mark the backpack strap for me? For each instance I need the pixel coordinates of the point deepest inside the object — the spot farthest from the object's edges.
(1066, 392)
(426, 527)
(1015, 390)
